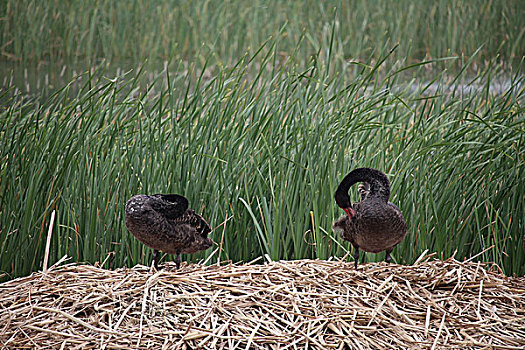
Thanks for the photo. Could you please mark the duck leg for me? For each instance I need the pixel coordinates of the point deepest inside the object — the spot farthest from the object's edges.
(177, 259)
(388, 257)
(155, 258)
(356, 255)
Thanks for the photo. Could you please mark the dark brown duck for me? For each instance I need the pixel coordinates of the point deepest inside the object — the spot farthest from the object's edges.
(373, 224)
(164, 222)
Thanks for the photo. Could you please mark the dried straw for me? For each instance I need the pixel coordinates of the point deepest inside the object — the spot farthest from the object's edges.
(304, 304)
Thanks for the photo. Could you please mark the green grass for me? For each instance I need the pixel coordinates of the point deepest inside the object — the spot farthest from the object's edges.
(260, 157)
(35, 31)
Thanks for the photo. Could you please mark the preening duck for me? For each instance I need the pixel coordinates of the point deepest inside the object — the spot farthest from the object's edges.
(373, 224)
(164, 222)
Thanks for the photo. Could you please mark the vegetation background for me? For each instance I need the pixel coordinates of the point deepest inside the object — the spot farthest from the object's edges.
(255, 110)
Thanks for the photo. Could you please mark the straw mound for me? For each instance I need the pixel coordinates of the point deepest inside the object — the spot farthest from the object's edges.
(306, 304)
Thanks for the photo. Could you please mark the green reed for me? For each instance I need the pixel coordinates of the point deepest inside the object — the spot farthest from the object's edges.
(180, 29)
(260, 157)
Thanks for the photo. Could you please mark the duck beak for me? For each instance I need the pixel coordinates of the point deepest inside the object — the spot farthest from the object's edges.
(350, 212)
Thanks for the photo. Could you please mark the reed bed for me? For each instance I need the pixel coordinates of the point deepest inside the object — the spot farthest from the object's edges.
(302, 304)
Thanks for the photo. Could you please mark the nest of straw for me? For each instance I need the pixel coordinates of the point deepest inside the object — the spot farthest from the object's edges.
(304, 304)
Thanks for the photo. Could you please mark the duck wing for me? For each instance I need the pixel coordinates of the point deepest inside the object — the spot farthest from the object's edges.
(171, 206)
(192, 220)
(364, 190)
(190, 231)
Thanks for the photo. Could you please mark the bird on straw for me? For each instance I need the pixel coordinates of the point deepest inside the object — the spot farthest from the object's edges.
(164, 222)
(373, 224)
